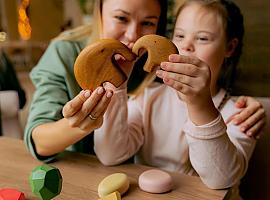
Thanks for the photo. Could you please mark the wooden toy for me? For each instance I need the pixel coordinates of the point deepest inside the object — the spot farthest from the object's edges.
(158, 47)
(96, 65)
(113, 196)
(46, 182)
(11, 194)
(155, 181)
(112, 183)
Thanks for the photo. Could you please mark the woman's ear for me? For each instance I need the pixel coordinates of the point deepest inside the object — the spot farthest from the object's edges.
(231, 47)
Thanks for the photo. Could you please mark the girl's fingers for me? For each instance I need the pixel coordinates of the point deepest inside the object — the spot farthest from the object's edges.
(74, 105)
(176, 77)
(176, 58)
(252, 120)
(181, 68)
(180, 87)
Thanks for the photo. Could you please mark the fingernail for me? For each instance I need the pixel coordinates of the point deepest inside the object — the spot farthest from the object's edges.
(109, 94)
(242, 129)
(100, 90)
(249, 133)
(235, 122)
(163, 65)
(159, 73)
(87, 94)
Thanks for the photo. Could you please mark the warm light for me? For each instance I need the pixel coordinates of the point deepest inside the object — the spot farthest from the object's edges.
(3, 36)
(24, 24)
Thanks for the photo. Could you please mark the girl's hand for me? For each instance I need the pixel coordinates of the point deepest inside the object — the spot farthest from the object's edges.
(189, 76)
(252, 118)
(86, 110)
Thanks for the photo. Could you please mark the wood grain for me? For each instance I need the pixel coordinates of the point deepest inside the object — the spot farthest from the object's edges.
(82, 174)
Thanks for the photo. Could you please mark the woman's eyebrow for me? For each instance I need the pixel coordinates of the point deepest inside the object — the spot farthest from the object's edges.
(127, 13)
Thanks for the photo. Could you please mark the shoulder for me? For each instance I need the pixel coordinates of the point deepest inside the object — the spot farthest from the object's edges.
(229, 109)
(65, 47)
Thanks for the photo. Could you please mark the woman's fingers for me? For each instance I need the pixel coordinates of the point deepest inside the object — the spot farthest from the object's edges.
(252, 120)
(246, 113)
(87, 107)
(241, 102)
(74, 105)
(255, 130)
(97, 113)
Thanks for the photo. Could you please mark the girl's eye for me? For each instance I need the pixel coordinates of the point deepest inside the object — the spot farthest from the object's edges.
(203, 39)
(179, 36)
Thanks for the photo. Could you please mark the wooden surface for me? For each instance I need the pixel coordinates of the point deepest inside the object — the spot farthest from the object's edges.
(82, 174)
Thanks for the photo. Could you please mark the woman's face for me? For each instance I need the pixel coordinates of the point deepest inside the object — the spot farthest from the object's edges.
(199, 32)
(128, 20)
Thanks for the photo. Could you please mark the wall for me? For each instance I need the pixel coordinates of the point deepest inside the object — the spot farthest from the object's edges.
(255, 69)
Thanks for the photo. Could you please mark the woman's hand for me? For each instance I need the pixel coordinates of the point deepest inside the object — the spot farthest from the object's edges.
(86, 110)
(252, 118)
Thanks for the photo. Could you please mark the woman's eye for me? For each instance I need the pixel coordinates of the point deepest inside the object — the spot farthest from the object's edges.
(121, 18)
(146, 23)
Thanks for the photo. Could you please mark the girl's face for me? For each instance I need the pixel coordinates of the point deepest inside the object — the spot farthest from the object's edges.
(128, 20)
(199, 32)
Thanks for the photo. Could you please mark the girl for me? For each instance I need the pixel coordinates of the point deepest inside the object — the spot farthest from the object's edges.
(180, 125)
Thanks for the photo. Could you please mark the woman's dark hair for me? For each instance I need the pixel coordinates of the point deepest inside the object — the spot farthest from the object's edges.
(233, 24)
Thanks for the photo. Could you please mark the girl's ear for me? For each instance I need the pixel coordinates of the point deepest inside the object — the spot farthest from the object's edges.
(231, 47)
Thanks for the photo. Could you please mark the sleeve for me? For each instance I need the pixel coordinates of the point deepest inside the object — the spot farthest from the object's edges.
(51, 78)
(121, 134)
(218, 153)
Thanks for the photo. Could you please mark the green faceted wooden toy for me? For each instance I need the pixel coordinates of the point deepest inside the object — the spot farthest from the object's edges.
(46, 182)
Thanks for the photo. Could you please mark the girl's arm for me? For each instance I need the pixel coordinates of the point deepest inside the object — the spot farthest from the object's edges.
(121, 134)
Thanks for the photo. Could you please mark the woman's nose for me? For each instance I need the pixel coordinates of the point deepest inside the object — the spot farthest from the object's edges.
(133, 33)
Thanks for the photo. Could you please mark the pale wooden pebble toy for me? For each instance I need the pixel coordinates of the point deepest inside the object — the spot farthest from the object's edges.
(155, 181)
(112, 183)
(113, 196)
(158, 47)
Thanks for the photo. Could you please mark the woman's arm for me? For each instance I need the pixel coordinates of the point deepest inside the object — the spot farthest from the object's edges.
(54, 137)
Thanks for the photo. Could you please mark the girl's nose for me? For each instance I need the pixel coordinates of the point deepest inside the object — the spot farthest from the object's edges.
(186, 45)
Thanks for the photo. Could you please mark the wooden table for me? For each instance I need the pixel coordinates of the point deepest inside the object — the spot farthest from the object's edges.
(82, 173)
